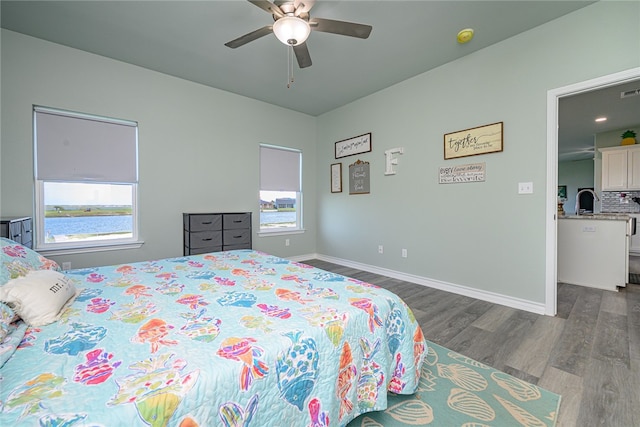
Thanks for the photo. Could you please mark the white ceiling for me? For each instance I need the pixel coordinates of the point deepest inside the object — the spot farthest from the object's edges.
(186, 39)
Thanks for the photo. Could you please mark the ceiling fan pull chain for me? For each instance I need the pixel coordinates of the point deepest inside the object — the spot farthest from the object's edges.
(289, 66)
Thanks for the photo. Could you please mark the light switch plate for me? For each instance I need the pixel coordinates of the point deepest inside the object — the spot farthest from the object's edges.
(525, 187)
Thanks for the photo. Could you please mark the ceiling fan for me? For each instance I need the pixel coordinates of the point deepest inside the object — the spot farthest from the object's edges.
(293, 24)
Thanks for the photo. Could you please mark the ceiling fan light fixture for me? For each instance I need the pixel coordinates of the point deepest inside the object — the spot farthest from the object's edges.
(291, 30)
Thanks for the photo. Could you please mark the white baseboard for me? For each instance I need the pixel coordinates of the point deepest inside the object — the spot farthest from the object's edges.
(300, 258)
(517, 303)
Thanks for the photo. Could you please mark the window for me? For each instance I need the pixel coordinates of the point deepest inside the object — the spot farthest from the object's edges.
(86, 172)
(280, 189)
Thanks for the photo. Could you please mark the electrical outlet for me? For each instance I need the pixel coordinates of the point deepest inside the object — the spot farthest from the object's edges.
(525, 187)
(66, 265)
(380, 249)
(404, 253)
(286, 242)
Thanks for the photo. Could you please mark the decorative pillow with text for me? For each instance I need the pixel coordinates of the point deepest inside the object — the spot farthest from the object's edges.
(39, 296)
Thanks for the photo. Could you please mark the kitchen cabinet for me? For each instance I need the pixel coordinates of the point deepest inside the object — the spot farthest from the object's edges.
(620, 168)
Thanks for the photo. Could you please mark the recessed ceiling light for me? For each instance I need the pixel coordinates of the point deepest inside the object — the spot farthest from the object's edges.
(601, 119)
(465, 36)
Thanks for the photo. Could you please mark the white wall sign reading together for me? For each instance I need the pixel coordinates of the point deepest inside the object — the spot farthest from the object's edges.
(474, 172)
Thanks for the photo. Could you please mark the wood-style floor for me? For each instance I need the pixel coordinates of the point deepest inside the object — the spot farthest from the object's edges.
(589, 353)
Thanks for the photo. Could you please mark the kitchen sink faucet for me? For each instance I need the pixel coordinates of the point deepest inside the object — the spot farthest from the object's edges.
(586, 190)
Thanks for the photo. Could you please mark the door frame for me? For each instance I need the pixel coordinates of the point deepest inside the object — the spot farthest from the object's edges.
(553, 97)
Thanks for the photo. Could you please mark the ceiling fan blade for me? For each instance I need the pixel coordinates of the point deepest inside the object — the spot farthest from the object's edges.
(303, 6)
(302, 55)
(268, 7)
(351, 29)
(249, 37)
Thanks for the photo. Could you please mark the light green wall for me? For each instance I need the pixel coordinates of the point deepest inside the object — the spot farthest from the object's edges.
(198, 150)
(578, 174)
(198, 146)
(613, 138)
(482, 235)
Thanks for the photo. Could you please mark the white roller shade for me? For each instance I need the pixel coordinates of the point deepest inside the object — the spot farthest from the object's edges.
(279, 169)
(72, 147)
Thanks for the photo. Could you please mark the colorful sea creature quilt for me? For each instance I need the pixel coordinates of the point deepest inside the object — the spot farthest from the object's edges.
(238, 338)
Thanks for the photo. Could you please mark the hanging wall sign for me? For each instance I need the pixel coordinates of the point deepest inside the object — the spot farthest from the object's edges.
(470, 142)
(474, 172)
(359, 178)
(336, 178)
(352, 146)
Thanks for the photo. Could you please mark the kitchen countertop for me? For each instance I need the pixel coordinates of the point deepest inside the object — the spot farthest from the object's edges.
(599, 216)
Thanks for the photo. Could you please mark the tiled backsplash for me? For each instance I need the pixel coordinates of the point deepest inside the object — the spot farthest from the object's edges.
(613, 201)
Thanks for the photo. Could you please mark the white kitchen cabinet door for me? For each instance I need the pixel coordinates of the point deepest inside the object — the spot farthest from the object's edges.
(633, 171)
(615, 169)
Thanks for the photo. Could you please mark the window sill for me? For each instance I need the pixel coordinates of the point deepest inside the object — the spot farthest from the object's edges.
(279, 232)
(101, 247)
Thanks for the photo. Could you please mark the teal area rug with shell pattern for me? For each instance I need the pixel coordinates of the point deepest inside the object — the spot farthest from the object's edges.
(455, 390)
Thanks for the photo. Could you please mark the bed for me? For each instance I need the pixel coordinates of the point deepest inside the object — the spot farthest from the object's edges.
(238, 338)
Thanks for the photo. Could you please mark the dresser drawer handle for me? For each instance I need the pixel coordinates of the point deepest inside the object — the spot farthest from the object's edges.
(237, 221)
(207, 223)
(237, 237)
(206, 240)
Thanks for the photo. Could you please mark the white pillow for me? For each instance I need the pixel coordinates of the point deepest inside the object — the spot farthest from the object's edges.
(38, 297)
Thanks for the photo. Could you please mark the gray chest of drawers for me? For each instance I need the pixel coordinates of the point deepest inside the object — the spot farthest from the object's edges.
(214, 232)
(17, 229)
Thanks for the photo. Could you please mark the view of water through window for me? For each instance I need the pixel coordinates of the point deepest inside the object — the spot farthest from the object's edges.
(81, 211)
(65, 228)
(279, 218)
(278, 209)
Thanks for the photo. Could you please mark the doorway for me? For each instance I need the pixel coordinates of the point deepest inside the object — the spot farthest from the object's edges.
(553, 97)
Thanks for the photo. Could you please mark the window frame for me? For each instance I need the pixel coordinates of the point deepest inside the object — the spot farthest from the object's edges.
(82, 246)
(299, 227)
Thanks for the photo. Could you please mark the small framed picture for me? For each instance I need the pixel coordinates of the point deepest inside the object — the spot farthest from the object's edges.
(562, 193)
(359, 180)
(336, 178)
